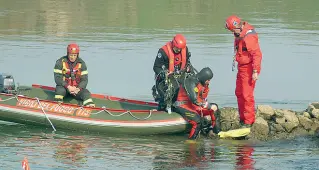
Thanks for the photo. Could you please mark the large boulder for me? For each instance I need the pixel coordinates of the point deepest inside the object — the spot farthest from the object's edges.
(315, 113)
(276, 128)
(313, 110)
(265, 111)
(229, 118)
(306, 114)
(260, 129)
(305, 122)
(314, 125)
(286, 119)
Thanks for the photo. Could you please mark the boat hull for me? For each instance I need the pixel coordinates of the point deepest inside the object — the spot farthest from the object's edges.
(36, 107)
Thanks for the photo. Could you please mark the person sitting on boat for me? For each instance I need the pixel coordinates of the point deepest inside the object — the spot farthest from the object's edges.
(172, 59)
(192, 103)
(71, 77)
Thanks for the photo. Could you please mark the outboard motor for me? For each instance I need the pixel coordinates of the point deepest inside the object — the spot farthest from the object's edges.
(7, 84)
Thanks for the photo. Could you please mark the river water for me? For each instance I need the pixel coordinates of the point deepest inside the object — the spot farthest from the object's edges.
(119, 42)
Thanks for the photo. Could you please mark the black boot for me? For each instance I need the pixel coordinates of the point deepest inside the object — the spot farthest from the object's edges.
(155, 94)
(243, 125)
(206, 126)
(161, 105)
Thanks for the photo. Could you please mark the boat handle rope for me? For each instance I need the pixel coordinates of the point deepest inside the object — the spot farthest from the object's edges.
(45, 114)
(16, 97)
(128, 111)
(104, 109)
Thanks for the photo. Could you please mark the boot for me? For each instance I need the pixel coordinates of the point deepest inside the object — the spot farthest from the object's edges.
(161, 106)
(155, 94)
(206, 126)
(243, 125)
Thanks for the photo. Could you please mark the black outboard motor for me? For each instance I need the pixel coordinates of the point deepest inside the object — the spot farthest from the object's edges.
(7, 84)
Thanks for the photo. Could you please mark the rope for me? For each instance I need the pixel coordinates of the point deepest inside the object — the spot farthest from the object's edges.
(104, 109)
(8, 99)
(45, 113)
(129, 112)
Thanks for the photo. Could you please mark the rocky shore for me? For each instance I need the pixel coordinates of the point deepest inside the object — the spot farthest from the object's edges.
(275, 123)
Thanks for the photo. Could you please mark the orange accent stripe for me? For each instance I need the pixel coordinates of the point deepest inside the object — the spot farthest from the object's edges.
(100, 96)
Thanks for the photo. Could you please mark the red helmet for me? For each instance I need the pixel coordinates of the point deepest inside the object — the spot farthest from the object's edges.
(232, 22)
(73, 49)
(179, 41)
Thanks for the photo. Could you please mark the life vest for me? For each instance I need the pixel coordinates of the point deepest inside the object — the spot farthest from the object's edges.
(71, 76)
(175, 59)
(242, 55)
(202, 93)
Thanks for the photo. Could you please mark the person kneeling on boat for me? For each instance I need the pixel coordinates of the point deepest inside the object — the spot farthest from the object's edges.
(172, 59)
(71, 77)
(193, 106)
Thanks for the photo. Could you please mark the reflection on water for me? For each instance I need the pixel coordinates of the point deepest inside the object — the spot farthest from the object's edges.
(207, 155)
(70, 150)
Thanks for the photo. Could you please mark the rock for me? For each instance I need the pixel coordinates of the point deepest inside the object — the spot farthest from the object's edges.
(260, 127)
(275, 123)
(313, 110)
(289, 120)
(315, 113)
(299, 131)
(306, 114)
(265, 111)
(278, 113)
(310, 108)
(229, 118)
(317, 132)
(277, 128)
(289, 126)
(315, 125)
(305, 122)
(280, 120)
(315, 105)
(291, 116)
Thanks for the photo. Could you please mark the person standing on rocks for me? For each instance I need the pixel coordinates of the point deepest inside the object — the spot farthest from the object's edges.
(248, 56)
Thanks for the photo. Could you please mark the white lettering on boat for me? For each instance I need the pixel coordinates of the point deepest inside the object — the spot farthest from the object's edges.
(53, 107)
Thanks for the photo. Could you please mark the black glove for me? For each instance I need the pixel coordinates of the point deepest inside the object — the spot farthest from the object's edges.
(206, 130)
(162, 75)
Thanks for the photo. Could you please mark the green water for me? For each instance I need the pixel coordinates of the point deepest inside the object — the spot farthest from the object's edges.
(119, 41)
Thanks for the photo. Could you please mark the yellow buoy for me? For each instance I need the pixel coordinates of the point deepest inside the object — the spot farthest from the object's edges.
(234, 133)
